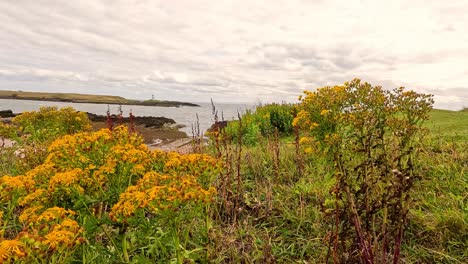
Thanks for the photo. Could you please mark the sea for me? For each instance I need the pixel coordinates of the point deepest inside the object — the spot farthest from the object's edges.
(183, 115)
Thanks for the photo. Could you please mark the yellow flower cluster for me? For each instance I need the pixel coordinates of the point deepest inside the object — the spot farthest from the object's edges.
(193, 164)
(65, 180)
(96, 168)
(49, 123)
(45, 232)
(155, 192)
(14, 186)
(98, 158)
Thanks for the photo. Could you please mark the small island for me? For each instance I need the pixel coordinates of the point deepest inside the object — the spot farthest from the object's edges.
(87, 98)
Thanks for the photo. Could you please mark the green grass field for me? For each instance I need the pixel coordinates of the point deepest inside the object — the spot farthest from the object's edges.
(271, 212)
(439, 227)
(446, 123)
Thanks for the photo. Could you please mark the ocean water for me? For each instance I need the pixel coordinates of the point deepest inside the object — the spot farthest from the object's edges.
(184, 115)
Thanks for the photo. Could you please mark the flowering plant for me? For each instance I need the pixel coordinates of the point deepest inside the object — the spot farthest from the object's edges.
(371, 136)
(112, 184)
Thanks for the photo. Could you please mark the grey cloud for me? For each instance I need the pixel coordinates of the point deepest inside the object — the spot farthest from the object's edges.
(191, 49)
(460, 92)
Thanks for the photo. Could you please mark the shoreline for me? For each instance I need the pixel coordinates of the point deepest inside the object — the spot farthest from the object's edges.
(157, 132)
(165, 138)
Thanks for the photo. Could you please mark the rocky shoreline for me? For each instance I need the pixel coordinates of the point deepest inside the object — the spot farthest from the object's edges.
(7, 113)
(157, 132)
(146, 121)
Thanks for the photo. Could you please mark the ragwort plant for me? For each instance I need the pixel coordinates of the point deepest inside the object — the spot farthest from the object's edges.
(372, 136)
(34, 131)
(120, 201)
(49, 123)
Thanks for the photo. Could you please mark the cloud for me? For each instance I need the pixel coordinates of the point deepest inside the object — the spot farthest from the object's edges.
(233, 50)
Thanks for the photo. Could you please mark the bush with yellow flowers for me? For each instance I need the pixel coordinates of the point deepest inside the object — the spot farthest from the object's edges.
(106, 194)
(371, 137)
(49, 123)
(34, 131)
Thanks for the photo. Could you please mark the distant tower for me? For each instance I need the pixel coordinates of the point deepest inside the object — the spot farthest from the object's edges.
(152, 97)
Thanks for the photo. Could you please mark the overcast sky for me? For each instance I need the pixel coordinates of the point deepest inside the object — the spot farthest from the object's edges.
(241, 51)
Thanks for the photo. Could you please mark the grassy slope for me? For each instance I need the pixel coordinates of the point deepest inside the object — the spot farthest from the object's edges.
(446, 123)
(63, 96)
(439, 223)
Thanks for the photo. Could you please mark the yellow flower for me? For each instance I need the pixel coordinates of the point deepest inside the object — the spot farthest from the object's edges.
(138, 169)
(54, 213)
(313, 126)
(38, 196)
(68, 224)
(29, 215)
(4, 254)
(156, 192)
(324, 112)
(305, 140)
(59, 238)
(308, 150)
(12, 246)
(16, 182)
(65, 179)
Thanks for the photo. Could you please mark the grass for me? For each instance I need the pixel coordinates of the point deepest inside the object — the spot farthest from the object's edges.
(278, 215)
(448, 123)
(281, 213)
(62, 96)
(439, 228)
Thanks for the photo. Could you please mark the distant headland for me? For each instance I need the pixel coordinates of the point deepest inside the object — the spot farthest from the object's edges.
(87, 98)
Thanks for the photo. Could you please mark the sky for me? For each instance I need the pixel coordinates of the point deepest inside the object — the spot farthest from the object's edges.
(233, 51)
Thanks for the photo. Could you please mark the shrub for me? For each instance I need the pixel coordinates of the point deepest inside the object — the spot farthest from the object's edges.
(34, 131)
(372, 137)
(49, 123)
(273, 117)
(265, 121)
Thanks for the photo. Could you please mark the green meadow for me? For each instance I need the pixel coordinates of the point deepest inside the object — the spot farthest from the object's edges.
(350, 174)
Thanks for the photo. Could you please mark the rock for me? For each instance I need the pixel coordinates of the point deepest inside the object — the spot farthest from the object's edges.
(218, 126)
(7, 113)
(146, 121)
(6, 143)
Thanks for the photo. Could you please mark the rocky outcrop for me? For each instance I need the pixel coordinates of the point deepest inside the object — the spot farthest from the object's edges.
(7, 113)
(146, 121)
